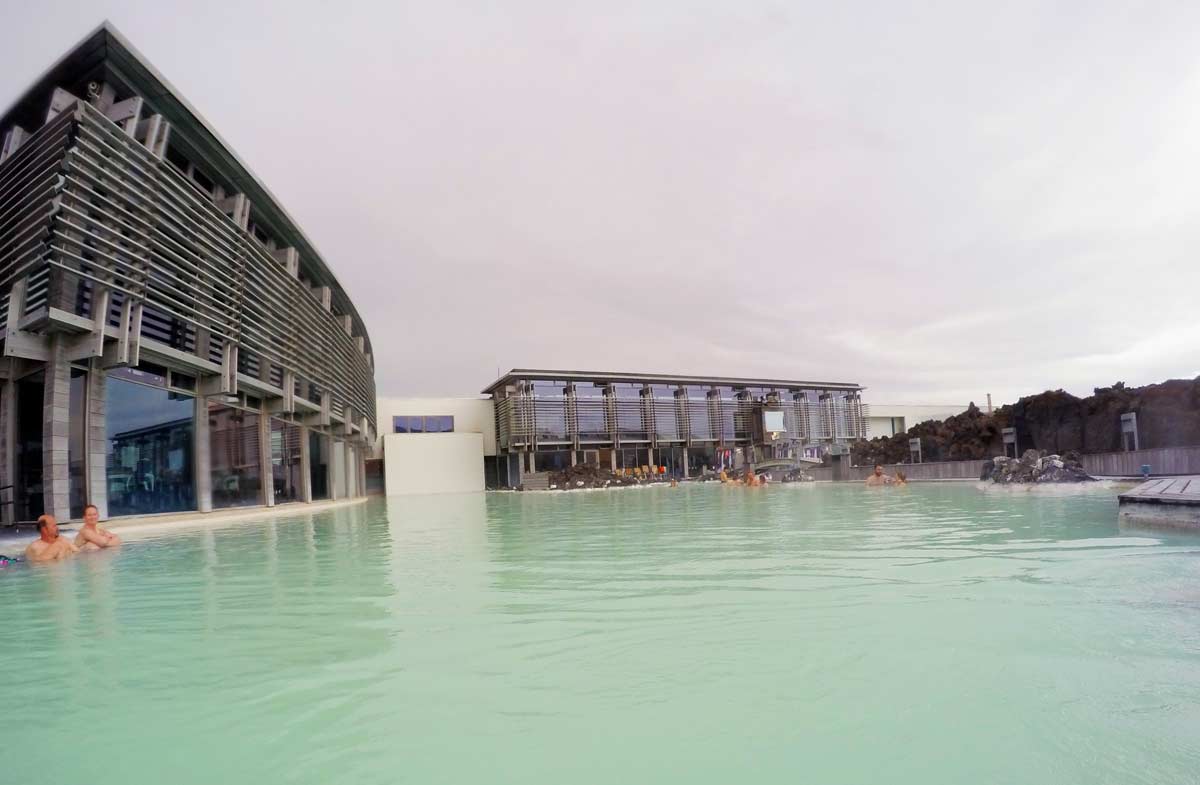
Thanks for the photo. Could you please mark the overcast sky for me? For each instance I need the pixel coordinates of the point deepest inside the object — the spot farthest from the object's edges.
(935, 200)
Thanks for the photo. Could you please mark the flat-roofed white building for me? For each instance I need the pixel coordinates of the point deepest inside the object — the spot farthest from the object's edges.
(889, 419)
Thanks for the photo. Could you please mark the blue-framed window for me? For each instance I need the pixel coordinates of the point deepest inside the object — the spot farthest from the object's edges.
(426, 423)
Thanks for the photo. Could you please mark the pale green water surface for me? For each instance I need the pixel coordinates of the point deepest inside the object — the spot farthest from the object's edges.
(833, 634)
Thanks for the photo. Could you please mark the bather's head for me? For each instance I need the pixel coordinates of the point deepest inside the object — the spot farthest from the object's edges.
(47, 527)
(91, 514)
(879, 470)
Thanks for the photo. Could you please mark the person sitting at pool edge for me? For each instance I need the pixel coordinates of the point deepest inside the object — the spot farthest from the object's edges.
(878, 478)
(50, 546)
(91, 537)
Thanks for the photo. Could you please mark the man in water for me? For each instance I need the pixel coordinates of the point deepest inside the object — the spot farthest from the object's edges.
(878, 478)
(49, 546)
(91, 537)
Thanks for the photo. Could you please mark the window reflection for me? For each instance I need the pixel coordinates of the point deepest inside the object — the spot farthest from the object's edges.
(149, 444)
(285, 461)
(236, 474)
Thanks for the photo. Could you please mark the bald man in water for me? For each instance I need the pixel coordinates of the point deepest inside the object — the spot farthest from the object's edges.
(91, 537)
(49, 546)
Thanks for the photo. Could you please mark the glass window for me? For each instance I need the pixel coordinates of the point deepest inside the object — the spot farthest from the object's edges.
(415, 425)
(285, 461)
(149, 445)
(439, 424)
(236, 472)
(77, 442)
(399, 425)
(318, 465)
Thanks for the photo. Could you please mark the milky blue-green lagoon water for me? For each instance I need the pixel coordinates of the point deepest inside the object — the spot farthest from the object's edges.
(820, 634)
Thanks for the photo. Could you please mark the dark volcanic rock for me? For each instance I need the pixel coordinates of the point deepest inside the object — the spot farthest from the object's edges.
(1168, 415)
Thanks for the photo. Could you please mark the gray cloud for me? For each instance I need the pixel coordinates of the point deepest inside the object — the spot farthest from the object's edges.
(938, 200)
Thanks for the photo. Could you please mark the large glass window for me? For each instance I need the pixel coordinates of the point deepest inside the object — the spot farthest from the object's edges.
(318, 464)
(285, 461)
(630, 417)
(698, 414)
(149, 436)
(550, 411)
(666, 421)
(431, 423)
(591, 413)
(236, 473)
(77, 442)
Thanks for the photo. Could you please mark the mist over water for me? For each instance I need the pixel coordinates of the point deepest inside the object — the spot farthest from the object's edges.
(834, 634)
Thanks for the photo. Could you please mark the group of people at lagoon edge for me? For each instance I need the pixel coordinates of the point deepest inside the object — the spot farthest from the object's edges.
(878, 479)
(52, 546)
(750, 479)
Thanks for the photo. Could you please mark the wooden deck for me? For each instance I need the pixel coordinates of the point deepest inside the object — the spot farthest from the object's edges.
(1168, 490)
(1170, 501)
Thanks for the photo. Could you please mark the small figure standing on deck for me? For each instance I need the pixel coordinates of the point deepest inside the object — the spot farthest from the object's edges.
(878, 478)
(49, 546)
(91, 537)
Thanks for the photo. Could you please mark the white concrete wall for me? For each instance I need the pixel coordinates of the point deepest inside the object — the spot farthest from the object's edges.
(471, 415)
(887, 419)
(432, 462)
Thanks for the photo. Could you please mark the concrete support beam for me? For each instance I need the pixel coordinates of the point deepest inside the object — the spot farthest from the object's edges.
(337, 468)
(91, 344)
(306, 492)
(153, 133)
(266, 470)
(13, 138)
(56, 406)
(348, 324)
(237, 207)
(126, 114)
(685, 463)
(325, 295)
(97, 439)
(351, 479)
(202, 460)
(290, 259)
(60, 101)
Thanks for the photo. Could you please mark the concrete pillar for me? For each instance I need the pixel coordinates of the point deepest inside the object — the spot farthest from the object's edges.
(362, 472)
(685, 462)
(351, 482)
(8, 442)
(56, 407)
(306, 493)
(97, 440)
(266, 470)
(337, 468)
(612, 459)
(202, 456)
(574, 457)
(520, 469)
(650, 460)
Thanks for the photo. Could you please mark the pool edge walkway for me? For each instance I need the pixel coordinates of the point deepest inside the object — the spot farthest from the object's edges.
(1166, 501)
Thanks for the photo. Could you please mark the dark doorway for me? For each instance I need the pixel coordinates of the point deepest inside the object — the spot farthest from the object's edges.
(27, 487)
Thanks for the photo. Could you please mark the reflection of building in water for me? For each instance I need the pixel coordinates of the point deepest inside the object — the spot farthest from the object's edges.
(171, 339)
(534, 421)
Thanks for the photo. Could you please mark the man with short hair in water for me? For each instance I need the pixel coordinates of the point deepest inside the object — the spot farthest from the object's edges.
(878, 478)
(49, 546)
(91, 537)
